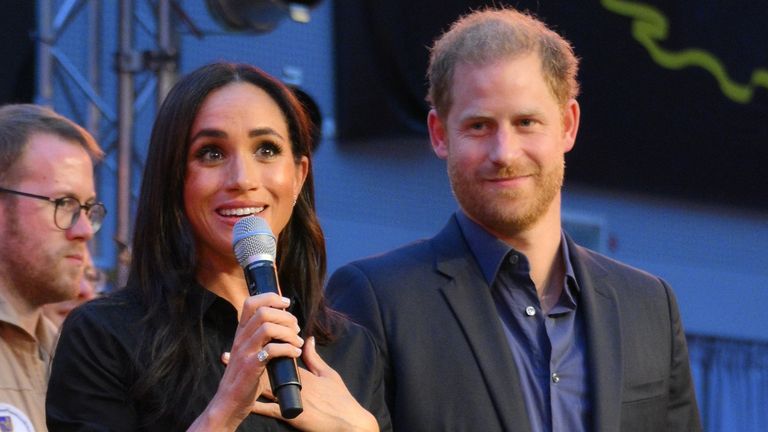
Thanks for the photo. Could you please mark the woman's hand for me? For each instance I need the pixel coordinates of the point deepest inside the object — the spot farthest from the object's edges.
(328, 405)
(265, 331)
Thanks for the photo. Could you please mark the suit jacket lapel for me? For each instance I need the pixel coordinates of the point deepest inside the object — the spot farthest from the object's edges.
(603, 332)
(470, 299)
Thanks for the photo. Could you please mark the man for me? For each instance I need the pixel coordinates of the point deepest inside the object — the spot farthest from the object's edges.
(501, 322)
(47, 214)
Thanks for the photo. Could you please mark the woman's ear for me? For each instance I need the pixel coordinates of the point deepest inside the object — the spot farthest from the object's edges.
(301, 176)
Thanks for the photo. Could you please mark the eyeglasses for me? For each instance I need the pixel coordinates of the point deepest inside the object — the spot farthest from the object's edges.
(67, 210)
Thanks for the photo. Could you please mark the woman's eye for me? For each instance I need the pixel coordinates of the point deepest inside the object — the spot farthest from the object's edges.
(268, 150)
(209, 154)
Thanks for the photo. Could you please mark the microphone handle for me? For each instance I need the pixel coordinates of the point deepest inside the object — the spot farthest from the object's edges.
(283, 374)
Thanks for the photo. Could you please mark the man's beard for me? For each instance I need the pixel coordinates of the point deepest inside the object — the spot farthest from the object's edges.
(37, 277)
(510, 211)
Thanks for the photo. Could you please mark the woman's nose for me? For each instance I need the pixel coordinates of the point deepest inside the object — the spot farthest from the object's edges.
(242, 174)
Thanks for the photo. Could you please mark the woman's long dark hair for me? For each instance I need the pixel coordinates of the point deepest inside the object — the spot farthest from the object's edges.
(164, 259)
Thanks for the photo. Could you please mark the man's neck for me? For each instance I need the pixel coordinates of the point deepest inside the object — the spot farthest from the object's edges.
(541, 245)
(28, 315)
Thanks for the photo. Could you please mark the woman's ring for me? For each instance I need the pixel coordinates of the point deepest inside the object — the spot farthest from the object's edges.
(262, 355)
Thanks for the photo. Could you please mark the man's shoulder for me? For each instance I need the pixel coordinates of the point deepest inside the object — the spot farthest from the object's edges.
(411, 273)
(610, 276)
(413, 253)
(418, 254)
(594, 260)
(348, 337)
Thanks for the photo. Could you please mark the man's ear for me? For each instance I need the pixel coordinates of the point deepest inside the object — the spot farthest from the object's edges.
(437, 135)
(571, 117)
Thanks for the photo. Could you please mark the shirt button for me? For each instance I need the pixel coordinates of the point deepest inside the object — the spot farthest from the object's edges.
(530, 311)
(555, 378)
(513, 259)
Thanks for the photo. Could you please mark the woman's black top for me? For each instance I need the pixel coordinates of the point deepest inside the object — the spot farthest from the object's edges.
(95, 365)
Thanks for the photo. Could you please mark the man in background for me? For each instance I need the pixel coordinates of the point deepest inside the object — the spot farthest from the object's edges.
(91, 285)
(48, 212)
(501, 322)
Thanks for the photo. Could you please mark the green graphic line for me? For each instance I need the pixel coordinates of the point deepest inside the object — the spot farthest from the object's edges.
(651, 27)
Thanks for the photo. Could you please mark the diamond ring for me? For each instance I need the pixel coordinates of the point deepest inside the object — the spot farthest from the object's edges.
(262, 356)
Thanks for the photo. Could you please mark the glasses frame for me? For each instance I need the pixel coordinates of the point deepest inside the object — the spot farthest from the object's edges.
(57, 203)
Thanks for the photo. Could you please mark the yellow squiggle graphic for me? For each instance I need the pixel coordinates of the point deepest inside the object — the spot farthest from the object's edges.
(651, 27)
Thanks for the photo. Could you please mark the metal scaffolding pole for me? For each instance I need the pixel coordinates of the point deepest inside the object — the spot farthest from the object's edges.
(59, 70)
(125, 64)
(167, 51)
(44, 57)
(93, 115)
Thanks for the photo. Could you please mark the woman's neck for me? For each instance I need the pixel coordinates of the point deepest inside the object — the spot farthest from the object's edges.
(225, 280)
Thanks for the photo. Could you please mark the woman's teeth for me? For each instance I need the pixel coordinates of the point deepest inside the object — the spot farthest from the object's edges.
(244, 211)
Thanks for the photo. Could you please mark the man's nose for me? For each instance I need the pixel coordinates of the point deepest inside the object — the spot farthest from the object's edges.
(505, 146)
(82, 228)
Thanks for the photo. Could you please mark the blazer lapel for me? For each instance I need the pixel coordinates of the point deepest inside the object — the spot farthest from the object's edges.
(603, 332)
(469, 297)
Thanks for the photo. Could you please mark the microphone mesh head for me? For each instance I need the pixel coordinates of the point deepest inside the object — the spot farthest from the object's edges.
(252, 237)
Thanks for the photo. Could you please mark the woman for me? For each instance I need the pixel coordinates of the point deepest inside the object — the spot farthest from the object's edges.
(183, 345)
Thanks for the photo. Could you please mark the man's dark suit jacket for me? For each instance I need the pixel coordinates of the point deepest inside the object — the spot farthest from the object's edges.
(450, 365)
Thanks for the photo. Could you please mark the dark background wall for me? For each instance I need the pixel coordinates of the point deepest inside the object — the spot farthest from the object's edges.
(17, 51)
(379, 185)
(660, 125)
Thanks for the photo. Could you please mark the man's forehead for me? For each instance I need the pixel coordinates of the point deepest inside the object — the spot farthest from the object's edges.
(59, 164)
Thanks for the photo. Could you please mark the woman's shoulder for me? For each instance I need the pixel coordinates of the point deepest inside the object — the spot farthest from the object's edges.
(115, 312)
(124, 300)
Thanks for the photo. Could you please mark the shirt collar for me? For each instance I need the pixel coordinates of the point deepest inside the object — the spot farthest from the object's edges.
(45, 329)
(571, 284)
(489, 252)
(7, 312)
(204, 303)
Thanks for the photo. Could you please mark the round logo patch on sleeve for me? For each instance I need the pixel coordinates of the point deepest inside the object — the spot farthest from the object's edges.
(13, 419)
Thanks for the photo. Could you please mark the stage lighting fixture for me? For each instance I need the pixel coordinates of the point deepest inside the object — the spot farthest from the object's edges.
(258, 16)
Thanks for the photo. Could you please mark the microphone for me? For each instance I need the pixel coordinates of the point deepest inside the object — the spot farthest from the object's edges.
(255, 248)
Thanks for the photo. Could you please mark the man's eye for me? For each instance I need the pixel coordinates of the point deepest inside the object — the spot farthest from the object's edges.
(69, 204)
(526, 122)
(477, 128)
